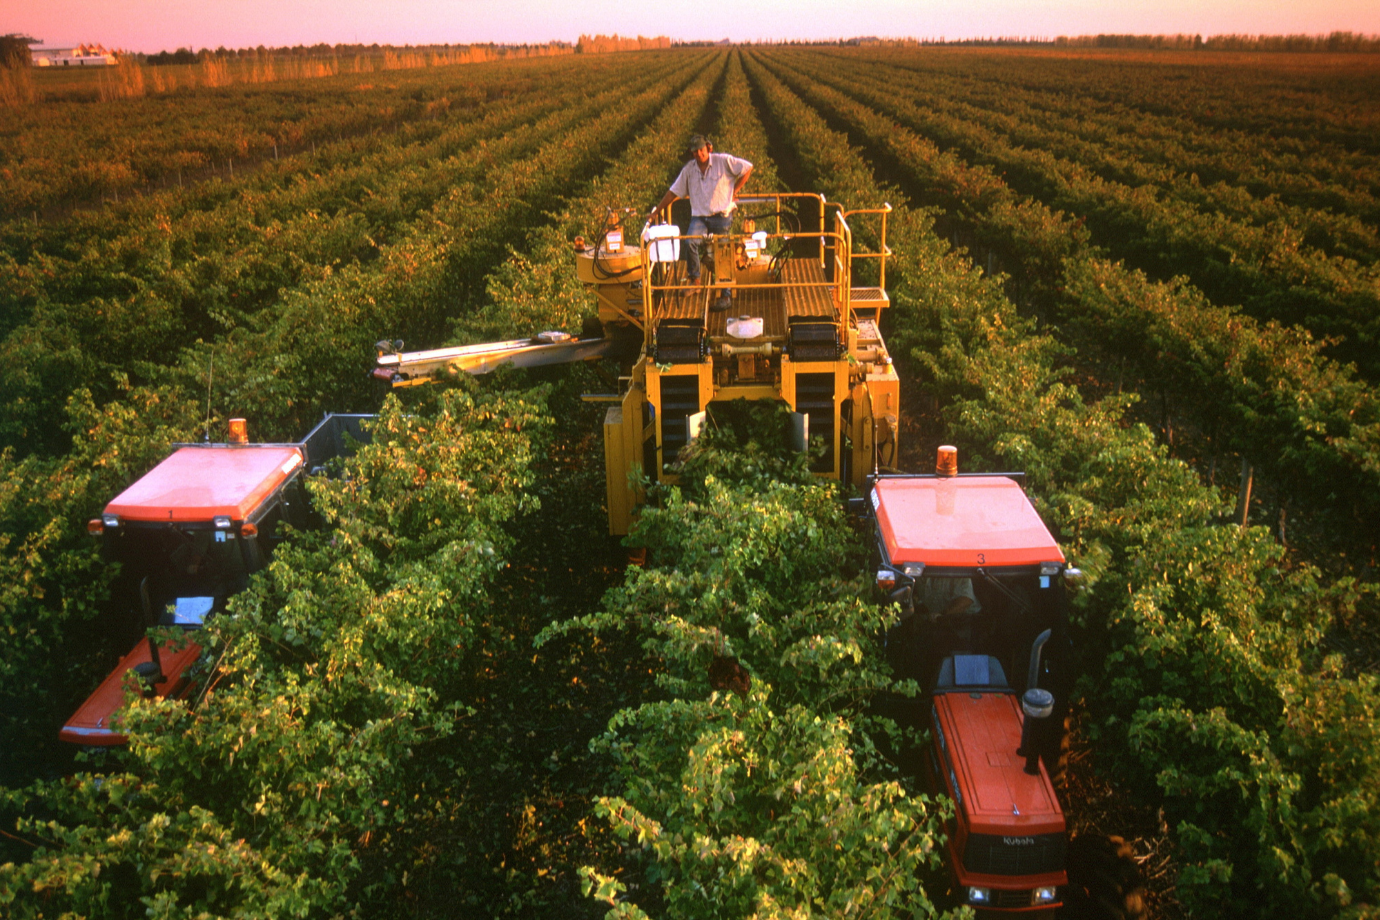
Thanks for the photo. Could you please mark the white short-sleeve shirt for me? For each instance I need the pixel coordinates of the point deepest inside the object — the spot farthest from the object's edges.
(710, 192)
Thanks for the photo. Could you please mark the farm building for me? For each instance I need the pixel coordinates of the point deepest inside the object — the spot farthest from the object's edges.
(81, 56)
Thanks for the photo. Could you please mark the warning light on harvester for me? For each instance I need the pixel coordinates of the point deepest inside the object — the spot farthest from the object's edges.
(946, 464)
(95, 527)
(239, 431)
(249, 530)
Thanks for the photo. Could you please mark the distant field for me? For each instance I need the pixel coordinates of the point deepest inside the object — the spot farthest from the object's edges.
(60, 80)
(1151, 279)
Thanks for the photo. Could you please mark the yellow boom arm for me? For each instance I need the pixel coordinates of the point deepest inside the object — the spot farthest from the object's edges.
(411, 368)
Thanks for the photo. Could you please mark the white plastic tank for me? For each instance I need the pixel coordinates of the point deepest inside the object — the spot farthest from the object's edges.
(659, 239)
(745, 327)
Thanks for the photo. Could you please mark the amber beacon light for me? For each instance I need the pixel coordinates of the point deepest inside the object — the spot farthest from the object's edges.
(946, 464)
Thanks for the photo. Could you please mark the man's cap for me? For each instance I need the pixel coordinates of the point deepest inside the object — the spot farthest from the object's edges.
(696, 142)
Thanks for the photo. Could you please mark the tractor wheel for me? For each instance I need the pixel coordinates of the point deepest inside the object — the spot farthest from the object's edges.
(1104, 880)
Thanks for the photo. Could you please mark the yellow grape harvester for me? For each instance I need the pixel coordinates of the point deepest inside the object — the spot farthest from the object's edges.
(802, 329)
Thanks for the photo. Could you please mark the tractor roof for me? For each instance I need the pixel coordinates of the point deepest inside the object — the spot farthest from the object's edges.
(201, 483)
(982, 732)
(961, 521)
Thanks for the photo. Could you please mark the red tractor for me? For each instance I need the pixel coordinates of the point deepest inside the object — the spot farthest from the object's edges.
(979, 580)
(187, 535)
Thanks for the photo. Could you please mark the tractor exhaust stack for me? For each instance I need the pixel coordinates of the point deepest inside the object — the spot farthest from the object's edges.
(1037, 705)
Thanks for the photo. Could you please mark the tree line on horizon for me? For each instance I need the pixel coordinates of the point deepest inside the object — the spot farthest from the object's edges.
(1331, 43)
(14, 47)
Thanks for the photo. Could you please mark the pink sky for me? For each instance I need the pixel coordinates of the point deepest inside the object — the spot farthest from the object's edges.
(154, 25)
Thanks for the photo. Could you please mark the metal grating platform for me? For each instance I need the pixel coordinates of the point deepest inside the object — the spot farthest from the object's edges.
(684, 304)
(807, 301)
(867, 296)
(765, 303)
(774, 305)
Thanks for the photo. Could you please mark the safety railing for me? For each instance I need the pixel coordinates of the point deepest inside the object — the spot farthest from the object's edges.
(835, 248)
(883, 251)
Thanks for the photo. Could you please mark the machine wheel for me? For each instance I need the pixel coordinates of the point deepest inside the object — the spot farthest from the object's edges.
(1104, 880)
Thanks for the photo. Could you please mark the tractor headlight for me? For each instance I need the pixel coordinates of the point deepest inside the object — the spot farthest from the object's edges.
(1046, 894)
(913, 569)
(221, 521)
(978, 895)
(110, 520)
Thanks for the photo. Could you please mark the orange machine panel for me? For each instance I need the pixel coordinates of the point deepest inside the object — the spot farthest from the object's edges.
(983, 731)
(961, 521)
(90, 725)
(200, 483)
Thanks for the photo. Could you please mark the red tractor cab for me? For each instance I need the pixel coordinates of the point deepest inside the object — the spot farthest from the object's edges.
(978, 578)
(187, 535)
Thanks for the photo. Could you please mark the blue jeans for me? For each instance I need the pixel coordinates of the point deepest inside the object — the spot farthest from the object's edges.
(698, 227)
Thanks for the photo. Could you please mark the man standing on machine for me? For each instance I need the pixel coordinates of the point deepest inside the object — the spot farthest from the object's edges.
(711, 181)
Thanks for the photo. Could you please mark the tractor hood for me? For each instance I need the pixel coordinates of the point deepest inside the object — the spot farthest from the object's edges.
(982, 731)
(91, 724)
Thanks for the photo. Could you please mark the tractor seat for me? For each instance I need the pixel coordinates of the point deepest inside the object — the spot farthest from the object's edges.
(965, 672)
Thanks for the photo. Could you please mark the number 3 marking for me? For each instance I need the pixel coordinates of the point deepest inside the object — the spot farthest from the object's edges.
(982, 558)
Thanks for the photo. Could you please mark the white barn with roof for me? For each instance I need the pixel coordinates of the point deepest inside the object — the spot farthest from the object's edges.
(81, 56)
